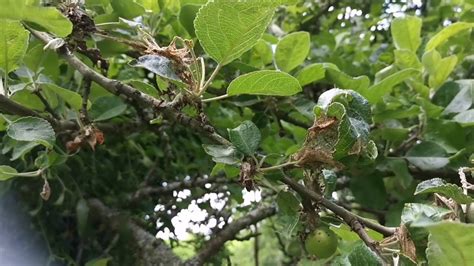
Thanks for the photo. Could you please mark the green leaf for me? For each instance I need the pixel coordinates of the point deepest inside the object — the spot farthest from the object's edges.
(32, 129)
(406, 32)
(420, 214)
(361, 255)
(222, 154)
(361, 184)
(264, 82)
(455, 96)
(144, 87)
(13, 44)
(447, 33)
(446, 133)
(427, 156)
(400, 169)
(70, 97)
(107, 107)
(261, 54)
(127, 8)
(347, 234)
(431, 110)
(311, 73)
(438, 68)
(27, 99)
(187, 14)
(344, 81)
(159, 65)
(355, 104)
(21, 149)
(407, 59)
(450, 243)
(228, 29)
(375, 93)
(7, 172)
(438, 185)
(246, 137)
(465, 118)
(48, 17)
(288, 204)
(292, 50)
(98, 262)
(352, 112)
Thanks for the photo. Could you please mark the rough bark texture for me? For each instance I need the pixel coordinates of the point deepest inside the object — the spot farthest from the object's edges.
(150, 250)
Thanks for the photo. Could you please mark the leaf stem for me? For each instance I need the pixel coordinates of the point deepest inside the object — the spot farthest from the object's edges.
(215, 98)
(276, 167)
(211, 78)
(26, 174)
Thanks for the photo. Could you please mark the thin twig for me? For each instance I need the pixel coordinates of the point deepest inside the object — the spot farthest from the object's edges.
(47, 106)
(229, 232)
(85, 99)
(355, 222)
(211, 78)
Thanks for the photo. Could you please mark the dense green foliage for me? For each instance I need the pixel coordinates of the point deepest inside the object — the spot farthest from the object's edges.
(117, 117)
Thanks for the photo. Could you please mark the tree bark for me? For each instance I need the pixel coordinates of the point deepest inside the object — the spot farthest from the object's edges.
(151, 250)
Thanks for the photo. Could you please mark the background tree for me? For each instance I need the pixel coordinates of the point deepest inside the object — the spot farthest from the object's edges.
(349, 121)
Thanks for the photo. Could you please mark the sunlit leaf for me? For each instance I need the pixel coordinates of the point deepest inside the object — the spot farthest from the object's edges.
(375, 93)
(450, 243)
(447, 33)
(406, 32)
(48, 17)
(228, 29)
(292, 50)
(6, 172)
(13, 44)
(265, 82)
(127, 8)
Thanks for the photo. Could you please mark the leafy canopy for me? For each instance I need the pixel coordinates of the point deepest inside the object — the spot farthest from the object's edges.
(197, 119)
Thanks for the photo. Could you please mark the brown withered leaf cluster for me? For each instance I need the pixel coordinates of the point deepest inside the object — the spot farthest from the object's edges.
(182, 58)
(88, 136)
(401, 240)
(247, 172)
(46, 191)
(319, 144)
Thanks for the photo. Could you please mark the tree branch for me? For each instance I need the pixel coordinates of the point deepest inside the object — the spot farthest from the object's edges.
(229, 232)
(12, 108)
(131, 94)
(179, 185)
(151, 250)
(355, 222)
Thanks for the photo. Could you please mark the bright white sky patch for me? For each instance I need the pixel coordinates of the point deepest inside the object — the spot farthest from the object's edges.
(185, 219)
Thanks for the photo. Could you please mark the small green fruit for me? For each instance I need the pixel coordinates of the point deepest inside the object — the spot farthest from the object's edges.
(322, 242)
(294, 248)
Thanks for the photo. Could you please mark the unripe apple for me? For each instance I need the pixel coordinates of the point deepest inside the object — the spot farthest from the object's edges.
(322, 242)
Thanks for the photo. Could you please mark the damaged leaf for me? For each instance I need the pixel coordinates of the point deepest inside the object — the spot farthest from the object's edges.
(160, 65)
(341, 129)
